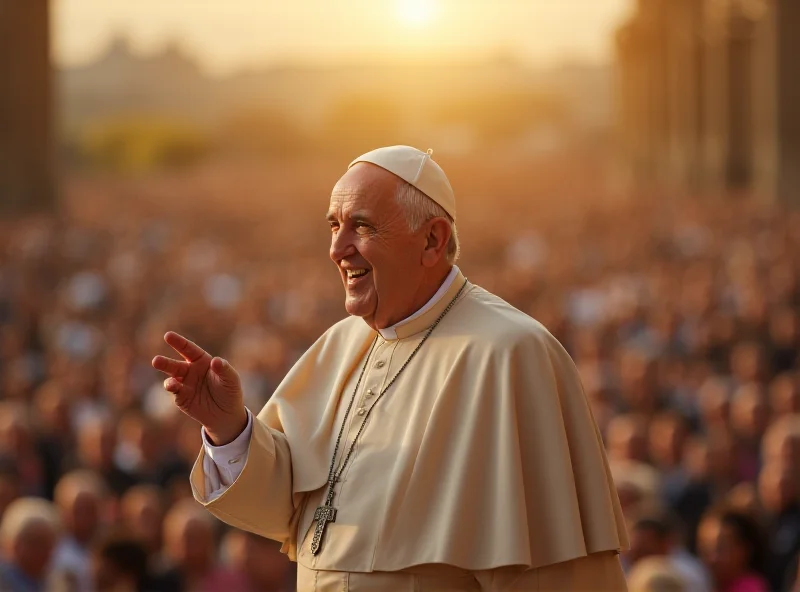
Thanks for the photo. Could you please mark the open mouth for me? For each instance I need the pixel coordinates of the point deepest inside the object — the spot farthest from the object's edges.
(356, 275)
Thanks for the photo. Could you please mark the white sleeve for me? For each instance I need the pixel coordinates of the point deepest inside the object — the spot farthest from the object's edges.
(223, 464)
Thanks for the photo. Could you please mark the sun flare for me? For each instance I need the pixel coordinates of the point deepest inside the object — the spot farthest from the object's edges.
(416, 13)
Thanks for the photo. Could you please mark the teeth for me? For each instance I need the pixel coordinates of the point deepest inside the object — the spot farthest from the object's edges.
(354, 273)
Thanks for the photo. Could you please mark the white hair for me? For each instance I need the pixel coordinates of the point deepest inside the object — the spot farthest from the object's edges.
(76, 482)
(419, 208)
(23, 513)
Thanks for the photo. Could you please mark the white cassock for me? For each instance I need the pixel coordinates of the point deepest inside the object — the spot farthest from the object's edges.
(481, 468)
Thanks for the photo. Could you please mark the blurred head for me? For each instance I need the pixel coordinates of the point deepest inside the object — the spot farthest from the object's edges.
(784, 327)
(744, 497)
(650, 535)
(189, 536)
(712, 457)
(53, 409)
(784, 394)
(399, 240)
(97, 441)
(730, 543)
(750, 413)
(636, 495)
(655, 574)
(259, 559)
(28, 533)
(627, 438)
(638, 375)
(143, 435)
(143, 513)
(781, 442)
(713, 397)
(668, 433)
(747, 362)
(80, 497)
(119, 564)
(15, 429)
(778, 487)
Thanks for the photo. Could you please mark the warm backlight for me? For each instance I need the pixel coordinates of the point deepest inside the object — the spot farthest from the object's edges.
(416, 13)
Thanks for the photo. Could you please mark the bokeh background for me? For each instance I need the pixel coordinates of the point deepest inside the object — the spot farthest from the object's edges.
(627, 172)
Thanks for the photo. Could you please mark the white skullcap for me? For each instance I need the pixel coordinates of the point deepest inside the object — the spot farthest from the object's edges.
(416, 168)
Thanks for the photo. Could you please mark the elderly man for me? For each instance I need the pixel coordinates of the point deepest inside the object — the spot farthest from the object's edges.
(28, 535)
(80, 497)
(437, 439)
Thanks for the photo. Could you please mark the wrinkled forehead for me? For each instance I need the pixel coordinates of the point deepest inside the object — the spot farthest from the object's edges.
(364, 187)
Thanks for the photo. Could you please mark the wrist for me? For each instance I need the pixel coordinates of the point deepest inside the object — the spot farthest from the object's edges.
(225, 434)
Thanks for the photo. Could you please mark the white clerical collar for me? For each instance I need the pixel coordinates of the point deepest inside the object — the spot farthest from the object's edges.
(391, 332)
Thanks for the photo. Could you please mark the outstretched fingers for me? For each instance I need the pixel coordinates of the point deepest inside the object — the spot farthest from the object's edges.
(191, 352)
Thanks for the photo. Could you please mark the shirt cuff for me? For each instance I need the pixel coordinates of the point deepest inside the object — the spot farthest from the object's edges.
(230, 458)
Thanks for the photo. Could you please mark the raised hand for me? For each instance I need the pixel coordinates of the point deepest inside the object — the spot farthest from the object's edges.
(206, 389)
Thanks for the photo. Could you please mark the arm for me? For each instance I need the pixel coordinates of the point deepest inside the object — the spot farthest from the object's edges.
(259, 499)
(208, 389)
(222, 465)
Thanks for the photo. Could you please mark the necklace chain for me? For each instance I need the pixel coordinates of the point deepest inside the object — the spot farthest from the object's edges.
(333, 474)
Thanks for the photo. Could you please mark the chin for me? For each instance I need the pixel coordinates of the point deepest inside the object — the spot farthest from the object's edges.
(357, 308)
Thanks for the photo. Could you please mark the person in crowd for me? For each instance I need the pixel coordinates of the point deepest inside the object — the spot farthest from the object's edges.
(189, 548)
(779, 492)
(142, 514)
(81, 500)
(667, 438)
(749, 420)
(29, 530)
(119, 564)
(711, 465)
(18, 445)
(260, 560)
(657, 535)
(97, 444)
(655, 574)
(52, 412)
(731, 544)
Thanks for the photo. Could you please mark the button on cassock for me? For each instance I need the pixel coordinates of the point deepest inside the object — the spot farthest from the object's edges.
(370, 392)
(379, 364)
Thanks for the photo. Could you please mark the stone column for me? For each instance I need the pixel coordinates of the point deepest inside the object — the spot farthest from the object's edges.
(787, 23)
(655, 23)
(740, 91)
(685, 72)
(765, 105)
(26, 110)
(715, 95)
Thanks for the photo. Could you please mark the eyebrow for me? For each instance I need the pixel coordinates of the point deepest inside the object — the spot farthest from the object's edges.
(355, 217)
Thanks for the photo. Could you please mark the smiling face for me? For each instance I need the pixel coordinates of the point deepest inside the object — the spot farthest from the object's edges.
(387, 270)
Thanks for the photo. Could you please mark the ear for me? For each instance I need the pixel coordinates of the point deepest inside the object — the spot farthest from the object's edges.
(437, 235)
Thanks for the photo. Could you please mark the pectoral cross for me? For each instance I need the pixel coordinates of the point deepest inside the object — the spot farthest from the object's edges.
(322, 516)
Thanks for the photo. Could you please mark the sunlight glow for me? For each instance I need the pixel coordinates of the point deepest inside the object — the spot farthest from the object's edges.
(416, 13)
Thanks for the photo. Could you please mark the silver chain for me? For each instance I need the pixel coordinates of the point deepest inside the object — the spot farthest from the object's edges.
(333, 474)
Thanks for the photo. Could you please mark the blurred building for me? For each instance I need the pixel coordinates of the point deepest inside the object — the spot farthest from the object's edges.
(447, 104)
(26, 157)
(121, 82)
(709, 97)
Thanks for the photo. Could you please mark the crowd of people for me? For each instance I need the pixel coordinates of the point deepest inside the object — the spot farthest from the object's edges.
(682, 318)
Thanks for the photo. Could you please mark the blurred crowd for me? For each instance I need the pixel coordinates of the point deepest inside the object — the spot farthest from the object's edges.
(682, 319)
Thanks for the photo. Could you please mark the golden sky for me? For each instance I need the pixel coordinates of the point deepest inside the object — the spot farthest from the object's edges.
(228, 34)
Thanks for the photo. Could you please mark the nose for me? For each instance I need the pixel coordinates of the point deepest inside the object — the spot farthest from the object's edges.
(341, 246)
